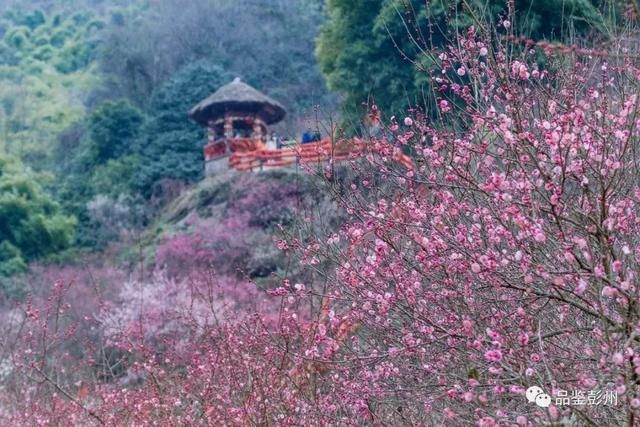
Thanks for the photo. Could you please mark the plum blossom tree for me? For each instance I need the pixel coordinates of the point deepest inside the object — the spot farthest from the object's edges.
(509, 256)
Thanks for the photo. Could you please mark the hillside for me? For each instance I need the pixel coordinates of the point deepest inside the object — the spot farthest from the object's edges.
(232, 222)
(228, 224)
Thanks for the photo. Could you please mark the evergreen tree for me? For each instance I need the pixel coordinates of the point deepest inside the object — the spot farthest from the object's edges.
(171, 144)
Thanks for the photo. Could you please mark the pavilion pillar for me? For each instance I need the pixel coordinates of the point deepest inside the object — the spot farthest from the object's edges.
(228, 126)
(258, 129)
(211, 132)
(228, 130)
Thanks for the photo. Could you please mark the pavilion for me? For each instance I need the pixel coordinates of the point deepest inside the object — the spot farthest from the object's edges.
(237, 117)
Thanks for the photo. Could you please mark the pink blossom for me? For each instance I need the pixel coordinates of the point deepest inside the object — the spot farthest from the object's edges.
(449, 413)
(616, 266)
(568, 256)
(322, 330)
(539, 236)
(581, 287)
(520, 70)
(582, 243)
(487, 422)
(493, 355)
(617, 358)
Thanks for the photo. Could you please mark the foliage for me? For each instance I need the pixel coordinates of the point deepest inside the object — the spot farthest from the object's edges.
(115, 177)
(506, 256)
(356, 60)
(40, 58)
(11, 260)
(60, 113)
(113, 128)
(31, 224)
(171, 145)
(99, 161)
(373, 51)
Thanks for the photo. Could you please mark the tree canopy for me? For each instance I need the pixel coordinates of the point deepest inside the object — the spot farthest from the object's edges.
(113, 129)
(170, 146)
(368, 49)
(31, 224)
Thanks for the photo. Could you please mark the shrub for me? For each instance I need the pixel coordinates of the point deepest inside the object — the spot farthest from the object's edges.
(268, 200)
(18, 38)
(116, 176)
(210, 243)
(11, 261)
(113, 128)
(111, 217)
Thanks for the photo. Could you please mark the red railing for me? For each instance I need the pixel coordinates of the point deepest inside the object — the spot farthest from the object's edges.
(249, 154)
(214, 150)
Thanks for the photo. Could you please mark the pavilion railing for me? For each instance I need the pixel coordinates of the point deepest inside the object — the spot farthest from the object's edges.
(250, 154)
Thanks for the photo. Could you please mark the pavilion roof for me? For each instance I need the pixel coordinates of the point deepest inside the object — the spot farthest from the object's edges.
(237, 96)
